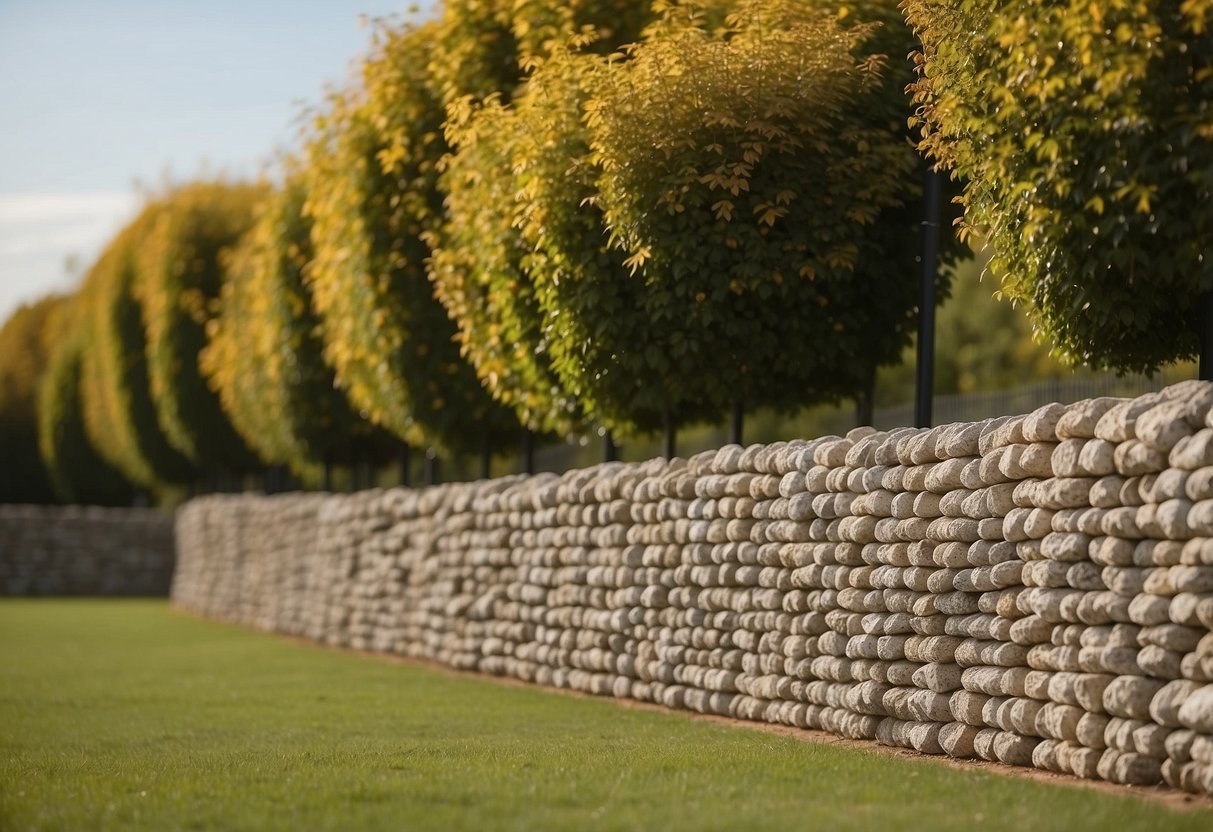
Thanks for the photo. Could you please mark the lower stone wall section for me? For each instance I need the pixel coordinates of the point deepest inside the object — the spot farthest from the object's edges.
(1036, 590)
(55, 550)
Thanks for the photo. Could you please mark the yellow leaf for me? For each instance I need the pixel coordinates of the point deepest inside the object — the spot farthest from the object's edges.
(723, 210)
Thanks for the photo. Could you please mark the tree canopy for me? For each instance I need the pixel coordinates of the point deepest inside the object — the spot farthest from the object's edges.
(263, 355)
(372, 195)
(79, 474)
(178, 278)
(1084, 133)
(26, 344)
(742, 178)
(119, 414)
(486, 47)
(485, 262)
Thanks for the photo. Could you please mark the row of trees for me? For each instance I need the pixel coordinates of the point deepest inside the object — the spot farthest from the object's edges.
(553, 219)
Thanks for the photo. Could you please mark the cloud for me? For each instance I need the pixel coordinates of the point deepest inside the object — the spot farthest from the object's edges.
(35, 207)
(40, 231)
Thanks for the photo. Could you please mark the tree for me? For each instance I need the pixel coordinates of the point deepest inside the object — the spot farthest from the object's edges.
(178, 279)
(264, 357)
(119, 414)
(26, 341)
(479, 265)
(485, 47)
(372, 170)
(1084, 133)
(482, 263)
(744, 175)
(79, 474)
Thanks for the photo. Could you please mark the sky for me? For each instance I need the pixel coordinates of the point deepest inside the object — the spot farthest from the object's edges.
(100, 96)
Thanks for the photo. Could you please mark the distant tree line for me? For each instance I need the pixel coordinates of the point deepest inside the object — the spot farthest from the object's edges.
(533, 220)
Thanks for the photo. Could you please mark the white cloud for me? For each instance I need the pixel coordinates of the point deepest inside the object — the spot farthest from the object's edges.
(40, 231)
(26, 207)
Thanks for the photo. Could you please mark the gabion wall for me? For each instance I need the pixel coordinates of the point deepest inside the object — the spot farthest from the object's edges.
(1036, 590)
(53, 550)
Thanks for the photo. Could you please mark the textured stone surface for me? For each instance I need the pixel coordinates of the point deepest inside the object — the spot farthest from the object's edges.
(1036, 590)
(53, 550)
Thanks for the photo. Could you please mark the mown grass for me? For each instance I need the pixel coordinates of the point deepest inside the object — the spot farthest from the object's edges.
(127, 715)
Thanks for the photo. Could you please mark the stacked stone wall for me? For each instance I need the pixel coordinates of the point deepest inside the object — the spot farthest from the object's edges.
(1036, 590)
(55, 550)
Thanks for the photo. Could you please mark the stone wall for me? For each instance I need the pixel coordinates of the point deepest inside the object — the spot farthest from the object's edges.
(54, 550)
(1036, 590)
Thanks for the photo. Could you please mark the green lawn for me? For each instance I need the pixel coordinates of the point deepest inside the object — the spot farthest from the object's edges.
(124, 714)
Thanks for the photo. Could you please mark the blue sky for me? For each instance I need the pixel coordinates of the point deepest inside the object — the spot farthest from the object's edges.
(98, 95)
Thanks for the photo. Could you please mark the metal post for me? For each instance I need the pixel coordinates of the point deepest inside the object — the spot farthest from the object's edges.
(1205, 304)
(610, 451)
(404, 460)
(925, 387)
(528, 452)
(486, 456)
(736, 423)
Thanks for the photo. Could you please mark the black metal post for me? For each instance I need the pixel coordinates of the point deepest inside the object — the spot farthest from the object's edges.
(433, 472)
(1205, 304)
(404, 461)
(736, 423)
(925, 387)
(486, 456)
(528, 452)
(865, 400)
(610, 451)
(671, 435)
